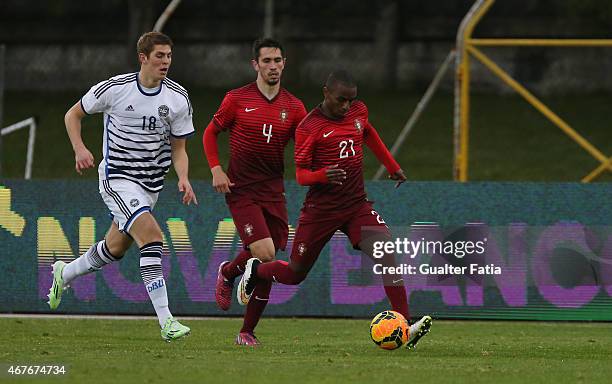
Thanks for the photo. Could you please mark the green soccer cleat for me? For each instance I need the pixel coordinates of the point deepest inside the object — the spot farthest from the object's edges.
(417, 331)
(57, 288)
(173, 330)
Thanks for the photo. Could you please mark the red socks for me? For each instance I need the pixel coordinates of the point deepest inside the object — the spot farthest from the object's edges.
(397, 298)
(280, 272)
(256, 305)
(236, 266)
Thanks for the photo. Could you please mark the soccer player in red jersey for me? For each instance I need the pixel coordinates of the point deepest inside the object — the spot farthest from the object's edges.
(261, 117)
(329, 158)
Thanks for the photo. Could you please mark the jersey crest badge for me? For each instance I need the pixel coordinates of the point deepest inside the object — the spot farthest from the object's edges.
(358, 125)
(163, 111)
(248, 229)
(283, 115)
(301, 249)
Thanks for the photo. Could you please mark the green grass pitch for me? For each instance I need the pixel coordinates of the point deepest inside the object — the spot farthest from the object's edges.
(307, 351)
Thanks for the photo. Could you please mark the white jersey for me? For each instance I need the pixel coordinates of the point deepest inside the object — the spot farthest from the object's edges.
(138, 123)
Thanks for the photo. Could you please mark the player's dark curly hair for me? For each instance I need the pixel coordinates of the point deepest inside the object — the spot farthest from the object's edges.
(266, 42)
(340, 76)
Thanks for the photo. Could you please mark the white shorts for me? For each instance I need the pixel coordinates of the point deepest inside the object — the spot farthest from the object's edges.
(126, 200)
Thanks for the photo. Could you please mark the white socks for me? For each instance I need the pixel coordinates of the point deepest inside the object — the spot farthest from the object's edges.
(93, 260)
(151, 272)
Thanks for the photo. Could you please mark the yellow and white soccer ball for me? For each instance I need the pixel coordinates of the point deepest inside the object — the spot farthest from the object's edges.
(389, 330)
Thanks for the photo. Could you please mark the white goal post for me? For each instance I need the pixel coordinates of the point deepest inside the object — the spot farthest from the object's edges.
(31, 122)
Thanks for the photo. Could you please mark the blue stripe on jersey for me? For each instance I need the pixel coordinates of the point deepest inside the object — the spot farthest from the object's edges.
(136, 141)
(183, 136)
(148, 94)
(135, 215)
(136, 149)
(115, 196)
(83, 107)
(159, 161)
(142, 159)
(141, 177)
(139, 133)
(107, 82)
(106, 154)
(174, 86)
(111, 83)
(149, 186)
(155, 167)
(135, 126)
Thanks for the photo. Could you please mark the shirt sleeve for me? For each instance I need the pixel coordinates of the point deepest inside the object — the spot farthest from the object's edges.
(181, 125)
(97, 99)
(304, 147)
(374, 142)
(211, 148)
(224, 117)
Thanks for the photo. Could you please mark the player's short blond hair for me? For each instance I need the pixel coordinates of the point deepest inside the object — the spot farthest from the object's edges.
(149, 40)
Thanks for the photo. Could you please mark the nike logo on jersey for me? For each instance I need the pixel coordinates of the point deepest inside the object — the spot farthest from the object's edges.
(130, 108)
(328, 133)
(249, 109)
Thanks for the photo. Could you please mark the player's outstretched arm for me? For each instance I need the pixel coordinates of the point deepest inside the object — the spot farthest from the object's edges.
(82, 156)
(221, 183)
(374, 142)
(180, 160)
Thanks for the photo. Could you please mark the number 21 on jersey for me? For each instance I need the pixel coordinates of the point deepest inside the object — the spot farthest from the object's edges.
(346, 148)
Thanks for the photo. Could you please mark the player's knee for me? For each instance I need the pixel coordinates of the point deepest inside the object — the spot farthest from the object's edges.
(265, 252)
(152, 237)
(265, 257)
(117, 249)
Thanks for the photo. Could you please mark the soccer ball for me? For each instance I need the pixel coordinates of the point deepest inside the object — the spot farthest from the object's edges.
(389, 330)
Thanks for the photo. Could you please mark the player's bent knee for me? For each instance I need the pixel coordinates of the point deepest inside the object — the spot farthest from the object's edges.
(263, 250)
(265, 257)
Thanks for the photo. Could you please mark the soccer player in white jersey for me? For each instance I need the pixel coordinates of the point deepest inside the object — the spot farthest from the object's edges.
(147, 118)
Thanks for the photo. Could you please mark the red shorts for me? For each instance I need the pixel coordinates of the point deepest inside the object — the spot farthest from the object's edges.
(256, 220)
(315, 229)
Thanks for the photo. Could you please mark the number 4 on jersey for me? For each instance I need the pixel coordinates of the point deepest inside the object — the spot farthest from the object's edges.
(267, 131)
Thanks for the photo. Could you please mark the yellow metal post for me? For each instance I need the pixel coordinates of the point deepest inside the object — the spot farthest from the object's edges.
(478, 10)
(466, 46)
(597, 171)
(537, 104)
(541, 42)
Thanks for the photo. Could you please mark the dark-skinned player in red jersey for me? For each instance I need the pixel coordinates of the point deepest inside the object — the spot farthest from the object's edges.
(329, 158)
(261, 117)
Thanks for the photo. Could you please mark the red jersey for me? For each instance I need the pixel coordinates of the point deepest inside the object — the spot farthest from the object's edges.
(259, 131)
(321, 142)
